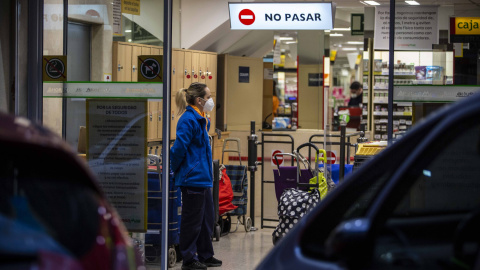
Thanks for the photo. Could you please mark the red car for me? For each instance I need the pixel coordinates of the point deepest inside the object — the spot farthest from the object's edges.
(53, 215)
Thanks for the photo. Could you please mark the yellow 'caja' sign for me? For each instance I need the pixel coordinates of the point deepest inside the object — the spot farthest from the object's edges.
(467, 25)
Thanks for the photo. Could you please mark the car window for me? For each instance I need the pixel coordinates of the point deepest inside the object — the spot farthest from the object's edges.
(423, 230)
(450, 183)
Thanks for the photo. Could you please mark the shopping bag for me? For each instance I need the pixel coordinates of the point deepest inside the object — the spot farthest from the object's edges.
(225, 194)
(322, 185)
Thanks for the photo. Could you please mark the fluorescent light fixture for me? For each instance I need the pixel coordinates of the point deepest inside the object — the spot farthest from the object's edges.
(413, 3)
(128, 31)
(290, 42)
(336, 35)
(285, 38)
(372, 3)
(327, 31)
(364, 3)
(341, 29)
(349, 49)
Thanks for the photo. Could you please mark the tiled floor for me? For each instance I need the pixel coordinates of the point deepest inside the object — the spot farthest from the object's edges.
(239, 250)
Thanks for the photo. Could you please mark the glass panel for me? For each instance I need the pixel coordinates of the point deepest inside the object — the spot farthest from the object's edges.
(107, 121)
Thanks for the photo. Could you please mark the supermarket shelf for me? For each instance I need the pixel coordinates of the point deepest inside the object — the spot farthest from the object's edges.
(394, 113)
(403, 104)
(399, 73)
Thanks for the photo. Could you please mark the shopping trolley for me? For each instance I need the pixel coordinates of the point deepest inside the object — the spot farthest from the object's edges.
(239, 180)
(154, 216)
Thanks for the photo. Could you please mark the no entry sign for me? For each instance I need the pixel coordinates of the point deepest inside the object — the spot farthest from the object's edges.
(279, 158)
(246, 17)
(331, 157)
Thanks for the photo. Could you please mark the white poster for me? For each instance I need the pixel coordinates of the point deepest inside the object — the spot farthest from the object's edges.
(281, 16)
(117, 17)
(415, 28)
(116, 153)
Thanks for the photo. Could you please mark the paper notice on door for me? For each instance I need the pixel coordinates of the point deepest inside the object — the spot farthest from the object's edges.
(268, 73)
(116, 153)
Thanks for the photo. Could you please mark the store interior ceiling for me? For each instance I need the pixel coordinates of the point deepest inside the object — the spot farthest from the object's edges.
(259, 43)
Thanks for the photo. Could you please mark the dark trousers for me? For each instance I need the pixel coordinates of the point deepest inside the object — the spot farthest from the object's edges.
(197, 224)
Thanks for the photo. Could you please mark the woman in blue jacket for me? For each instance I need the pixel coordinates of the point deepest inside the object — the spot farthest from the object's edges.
(191, 162)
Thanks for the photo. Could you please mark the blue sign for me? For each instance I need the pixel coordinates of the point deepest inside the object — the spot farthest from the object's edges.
(243, 74)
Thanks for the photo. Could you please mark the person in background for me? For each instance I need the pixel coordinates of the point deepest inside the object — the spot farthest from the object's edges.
(356, 95)
(191, 162)
(276, 101)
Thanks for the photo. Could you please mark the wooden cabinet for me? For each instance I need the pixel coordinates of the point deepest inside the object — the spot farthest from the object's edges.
(148, 51)
(202, 63)
(136, 52)
(211, 72)
(195, 68)
(187, 80)
(122, 63)
(187, 66)
(152, 124)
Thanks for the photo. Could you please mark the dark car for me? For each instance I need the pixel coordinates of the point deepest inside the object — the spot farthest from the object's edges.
(53, 215)
(414, 206)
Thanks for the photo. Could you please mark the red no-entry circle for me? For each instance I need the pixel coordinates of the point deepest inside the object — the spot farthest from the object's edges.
(331, 157)
(246, 16)
(279, 158)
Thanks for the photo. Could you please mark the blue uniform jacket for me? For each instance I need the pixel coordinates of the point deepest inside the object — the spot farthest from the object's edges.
(191, 154)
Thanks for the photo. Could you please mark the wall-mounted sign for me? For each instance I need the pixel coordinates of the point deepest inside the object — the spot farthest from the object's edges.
(281, 16)
(150, 68)
(55, 68)
(315, 79)
(333, 55)
(117, 17)
(131, 7)
(356, 24)
(415, 28)
(243, 74)
(465, 26)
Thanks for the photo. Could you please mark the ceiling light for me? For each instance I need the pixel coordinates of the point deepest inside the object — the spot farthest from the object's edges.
(327, 31)
(372, 3)
(349, 49)
(355, 42)
(364, 3)
(128, 31)
(285, 38)
(336, 35)
(413, 3)
(290, 42)
(341, 29)
(130, 40)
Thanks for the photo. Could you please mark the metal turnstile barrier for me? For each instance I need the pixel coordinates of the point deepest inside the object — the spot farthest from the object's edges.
(265, 141)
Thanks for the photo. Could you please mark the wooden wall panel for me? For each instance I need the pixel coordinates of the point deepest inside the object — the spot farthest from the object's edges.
(245, 100)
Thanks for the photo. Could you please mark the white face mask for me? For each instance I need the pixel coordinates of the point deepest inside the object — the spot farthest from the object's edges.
(209, 104)
(353, 95)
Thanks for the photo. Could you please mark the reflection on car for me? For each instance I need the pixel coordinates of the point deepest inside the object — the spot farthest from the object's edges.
(414, 206)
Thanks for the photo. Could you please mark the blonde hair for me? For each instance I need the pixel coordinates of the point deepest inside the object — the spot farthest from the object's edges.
(187, 96)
